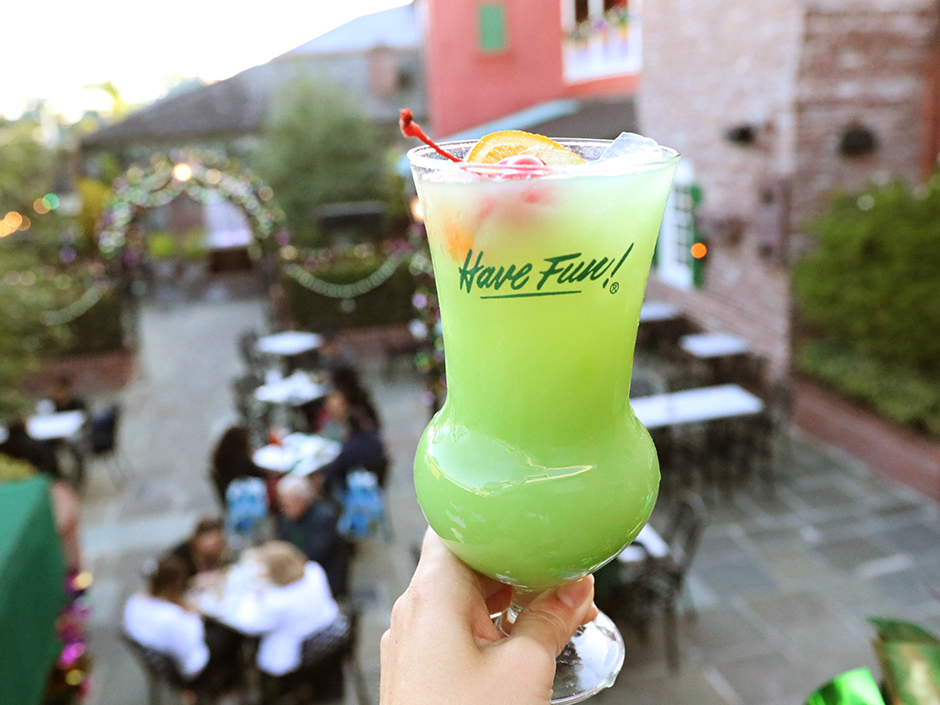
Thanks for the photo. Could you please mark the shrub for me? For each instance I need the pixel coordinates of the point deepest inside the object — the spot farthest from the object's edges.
(905, 396)
(873, 284)
(99, 329)
(388, 303)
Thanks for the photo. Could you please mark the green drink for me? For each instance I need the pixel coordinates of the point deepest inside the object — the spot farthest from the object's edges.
(536, 471)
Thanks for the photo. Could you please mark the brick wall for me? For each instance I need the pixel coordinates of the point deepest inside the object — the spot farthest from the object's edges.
(710, 65)
(862, 61)
(799, 72)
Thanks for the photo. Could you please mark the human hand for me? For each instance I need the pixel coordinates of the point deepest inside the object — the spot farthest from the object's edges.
(443, 647)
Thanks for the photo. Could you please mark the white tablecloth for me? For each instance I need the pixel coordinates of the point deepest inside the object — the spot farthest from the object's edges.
(709, 345)
(299, 454)
(51, 427)
(289, 342)
(655, 547)
(696, 405)
(294, 390)
(653, 311)
(224, 600)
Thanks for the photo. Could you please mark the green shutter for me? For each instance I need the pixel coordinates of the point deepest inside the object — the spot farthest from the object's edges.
(492, 24)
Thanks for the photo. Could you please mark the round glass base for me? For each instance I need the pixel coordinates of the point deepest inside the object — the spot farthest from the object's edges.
(589, 663)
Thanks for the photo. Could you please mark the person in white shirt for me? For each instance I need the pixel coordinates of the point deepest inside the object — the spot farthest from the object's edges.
(296, 605)
(160, 620)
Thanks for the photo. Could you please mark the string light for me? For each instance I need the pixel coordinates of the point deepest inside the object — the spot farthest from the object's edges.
(699, 250)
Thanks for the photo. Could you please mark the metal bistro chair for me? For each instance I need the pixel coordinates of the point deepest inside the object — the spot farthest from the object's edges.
(103, 437)
(658, 587)
(162, 673)
(326, 657)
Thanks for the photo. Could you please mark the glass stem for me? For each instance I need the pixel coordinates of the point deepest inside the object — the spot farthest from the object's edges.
(521, 597)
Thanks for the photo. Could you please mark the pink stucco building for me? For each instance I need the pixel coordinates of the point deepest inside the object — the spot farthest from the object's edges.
(489, 58)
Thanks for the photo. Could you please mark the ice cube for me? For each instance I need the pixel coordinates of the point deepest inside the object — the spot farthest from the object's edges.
(637, 148)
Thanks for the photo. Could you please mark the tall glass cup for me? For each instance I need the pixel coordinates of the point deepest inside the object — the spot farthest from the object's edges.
(536, 471)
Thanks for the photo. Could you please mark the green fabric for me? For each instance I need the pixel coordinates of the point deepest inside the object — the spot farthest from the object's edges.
(896, 630)
(910, 659)
(856, 687)
(32, 570)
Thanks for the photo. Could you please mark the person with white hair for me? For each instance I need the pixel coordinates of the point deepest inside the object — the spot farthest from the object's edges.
(296, 605)
(308, 520)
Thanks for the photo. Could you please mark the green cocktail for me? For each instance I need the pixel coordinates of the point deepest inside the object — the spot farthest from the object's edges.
(536, 471)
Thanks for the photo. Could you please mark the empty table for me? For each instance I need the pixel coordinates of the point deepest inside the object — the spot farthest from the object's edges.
(653, 545)
(696, 406)
(656, 311)
(289, 343)
(707, 346)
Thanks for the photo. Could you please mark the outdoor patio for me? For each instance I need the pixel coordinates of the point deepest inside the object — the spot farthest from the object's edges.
(781, 585)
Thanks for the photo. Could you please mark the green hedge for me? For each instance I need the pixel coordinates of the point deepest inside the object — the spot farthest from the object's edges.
(99, 329)
(904, 396)
(873, 283)
(388, 303)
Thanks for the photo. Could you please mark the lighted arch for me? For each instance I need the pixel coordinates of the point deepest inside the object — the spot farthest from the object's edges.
(166, 179)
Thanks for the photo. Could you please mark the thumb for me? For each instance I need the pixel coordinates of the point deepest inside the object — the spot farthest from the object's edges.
(552, 618)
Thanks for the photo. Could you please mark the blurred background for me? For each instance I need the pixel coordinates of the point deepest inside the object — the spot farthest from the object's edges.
(181, 181)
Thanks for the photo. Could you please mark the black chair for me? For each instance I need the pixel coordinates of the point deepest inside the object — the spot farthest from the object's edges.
(161, 673)
(248, 350)
(326, 656)
(102, 441)
(656, 589)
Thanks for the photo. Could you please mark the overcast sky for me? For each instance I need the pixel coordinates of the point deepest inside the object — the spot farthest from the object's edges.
(52, 49)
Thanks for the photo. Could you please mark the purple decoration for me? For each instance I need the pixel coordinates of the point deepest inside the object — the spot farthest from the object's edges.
(67, 255)
(419, 301)
(71, 653)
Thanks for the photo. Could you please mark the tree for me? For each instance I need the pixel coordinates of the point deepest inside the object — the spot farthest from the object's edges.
(318, 148)
(27, 173)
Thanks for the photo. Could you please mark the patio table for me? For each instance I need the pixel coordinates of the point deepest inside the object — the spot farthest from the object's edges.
(707, 346)
(658, 311)
(651, 541)
(296, 390)
(32, 570)
(723, 401)
(289, 343)
(298, 454)
(52, 427)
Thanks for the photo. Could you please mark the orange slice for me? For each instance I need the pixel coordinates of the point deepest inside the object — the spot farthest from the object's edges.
(499, 145)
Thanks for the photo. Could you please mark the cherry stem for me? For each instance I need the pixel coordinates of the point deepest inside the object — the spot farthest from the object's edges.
(409, 128)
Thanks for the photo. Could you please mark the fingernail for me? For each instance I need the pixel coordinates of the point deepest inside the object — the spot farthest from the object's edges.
(573, 594)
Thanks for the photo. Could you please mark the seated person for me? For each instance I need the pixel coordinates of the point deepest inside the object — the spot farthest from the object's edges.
(205, 550)
(205, 653)
(308, 521)
(332, 354)
(362, 444)
(297, 605)
(63, 397)
(231, 460)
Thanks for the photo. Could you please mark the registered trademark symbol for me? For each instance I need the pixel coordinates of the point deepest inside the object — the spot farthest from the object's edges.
(614, 288)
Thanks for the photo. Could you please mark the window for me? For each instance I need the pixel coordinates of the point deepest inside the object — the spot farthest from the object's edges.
(492, 28)
(601, 38)
(673, 261)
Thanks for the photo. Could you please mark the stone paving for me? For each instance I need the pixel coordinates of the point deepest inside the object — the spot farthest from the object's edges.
(780, 587)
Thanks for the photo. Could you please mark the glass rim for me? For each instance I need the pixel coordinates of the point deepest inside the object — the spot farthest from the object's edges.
(426, 158)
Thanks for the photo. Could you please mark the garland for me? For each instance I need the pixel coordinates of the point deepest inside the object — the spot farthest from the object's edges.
(347, 291)
(192, 176)
(75, 309)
